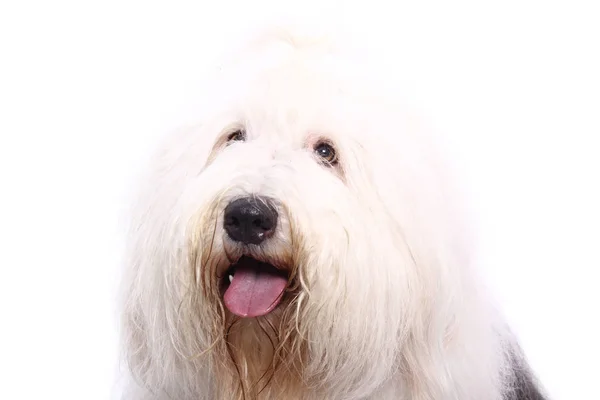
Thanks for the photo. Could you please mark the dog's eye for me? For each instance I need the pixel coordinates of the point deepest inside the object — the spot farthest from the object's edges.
(237, 136)
(326, 152)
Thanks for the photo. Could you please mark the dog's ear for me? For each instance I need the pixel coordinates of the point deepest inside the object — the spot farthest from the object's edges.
(153, 247)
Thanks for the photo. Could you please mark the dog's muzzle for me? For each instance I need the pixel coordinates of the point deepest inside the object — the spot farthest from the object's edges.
(252, 287)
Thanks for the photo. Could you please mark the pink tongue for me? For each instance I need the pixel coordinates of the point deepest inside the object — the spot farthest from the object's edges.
(255, 290)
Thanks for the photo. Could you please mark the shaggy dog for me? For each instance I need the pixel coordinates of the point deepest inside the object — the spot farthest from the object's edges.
(305, 241)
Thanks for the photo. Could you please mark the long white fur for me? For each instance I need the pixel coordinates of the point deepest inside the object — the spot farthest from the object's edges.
(389, 305)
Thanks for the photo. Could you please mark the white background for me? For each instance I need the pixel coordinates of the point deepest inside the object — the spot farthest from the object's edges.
(86, 87)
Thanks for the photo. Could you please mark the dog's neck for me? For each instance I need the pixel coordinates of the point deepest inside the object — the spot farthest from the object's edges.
(257, 361)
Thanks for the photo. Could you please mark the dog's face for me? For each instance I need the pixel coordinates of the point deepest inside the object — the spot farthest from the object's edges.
(277, 232)
(277, 187)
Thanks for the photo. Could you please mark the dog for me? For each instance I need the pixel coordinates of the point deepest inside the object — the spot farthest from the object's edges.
(306, 241)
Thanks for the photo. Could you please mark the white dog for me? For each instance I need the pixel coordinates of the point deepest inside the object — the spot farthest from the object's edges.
(305, 242)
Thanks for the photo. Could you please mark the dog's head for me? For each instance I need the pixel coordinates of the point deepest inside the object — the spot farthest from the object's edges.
(293, 227)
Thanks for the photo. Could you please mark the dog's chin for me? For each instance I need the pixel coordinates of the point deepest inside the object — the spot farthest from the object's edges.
(253, 288)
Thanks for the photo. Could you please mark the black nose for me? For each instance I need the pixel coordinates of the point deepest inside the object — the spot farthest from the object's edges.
(250, 220)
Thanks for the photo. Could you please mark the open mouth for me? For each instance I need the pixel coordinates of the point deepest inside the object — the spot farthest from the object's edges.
(253, 288)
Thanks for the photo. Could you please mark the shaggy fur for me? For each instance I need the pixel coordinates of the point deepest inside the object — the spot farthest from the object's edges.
(383, 301)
